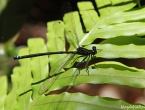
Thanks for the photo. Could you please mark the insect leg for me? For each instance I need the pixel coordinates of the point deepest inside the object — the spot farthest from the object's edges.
(86, 66)
(76, 59)
(81, 63)
(93, 61)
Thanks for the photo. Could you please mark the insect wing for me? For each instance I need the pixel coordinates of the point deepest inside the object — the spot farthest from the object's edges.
(57, 62)
(73, 32)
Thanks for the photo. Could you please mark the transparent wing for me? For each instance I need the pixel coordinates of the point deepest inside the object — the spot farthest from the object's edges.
(49, 82)
(57, 62)
(70, 28)
(59, 41)
(56, 42)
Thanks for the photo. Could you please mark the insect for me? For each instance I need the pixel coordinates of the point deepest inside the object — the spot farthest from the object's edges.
(86, 54)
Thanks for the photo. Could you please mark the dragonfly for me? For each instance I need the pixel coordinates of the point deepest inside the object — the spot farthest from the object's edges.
(86, 54)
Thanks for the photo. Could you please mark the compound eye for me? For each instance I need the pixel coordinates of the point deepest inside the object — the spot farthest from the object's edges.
(94, 48)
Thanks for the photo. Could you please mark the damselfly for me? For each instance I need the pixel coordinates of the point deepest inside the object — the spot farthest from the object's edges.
(86, 53)
(74, 41)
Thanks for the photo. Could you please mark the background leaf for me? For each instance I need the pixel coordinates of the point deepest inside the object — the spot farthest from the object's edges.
(3, 92)
(60, 101)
